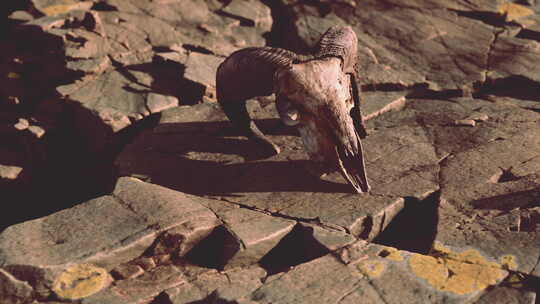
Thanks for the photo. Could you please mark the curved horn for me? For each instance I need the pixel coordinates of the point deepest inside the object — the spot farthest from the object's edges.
(245, 74)
(341, 42)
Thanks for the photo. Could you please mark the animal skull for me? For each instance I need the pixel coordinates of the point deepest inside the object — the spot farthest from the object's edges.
(319, 96)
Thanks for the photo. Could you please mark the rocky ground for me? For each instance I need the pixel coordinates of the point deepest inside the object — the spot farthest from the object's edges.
(131, 187)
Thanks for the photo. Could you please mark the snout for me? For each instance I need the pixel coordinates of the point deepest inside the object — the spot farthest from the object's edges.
(335, 149)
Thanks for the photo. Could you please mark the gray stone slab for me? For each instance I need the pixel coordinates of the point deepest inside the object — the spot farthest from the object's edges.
(108, 230)
(371, 273)
(251, 234)
(77, 234)
(223, 167)
(403, 46)
(230, 285)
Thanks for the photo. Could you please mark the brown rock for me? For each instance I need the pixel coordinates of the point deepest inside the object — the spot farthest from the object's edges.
(91, 232)
(229, 285)
(278, 183)
(201, 69)
(139, 289)
(251, 234)
(127, 271)
(256, 12)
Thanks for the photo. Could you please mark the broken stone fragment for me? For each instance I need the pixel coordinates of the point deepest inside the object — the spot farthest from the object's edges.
(10, 172)
(157, 102)
(254, 11)
(201, 69)
(251, 235)
(465, 122)
(377, 103)
(189, 220)
(127, 271)
(513, 11)
(22, 124)
(140, 289)
(230, 285)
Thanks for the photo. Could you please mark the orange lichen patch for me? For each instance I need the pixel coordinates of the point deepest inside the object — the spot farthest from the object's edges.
(391, 253)
(508, 262)
(13, 75)
(80, 281)
(372, 268)
(512, 11)
(457, 272)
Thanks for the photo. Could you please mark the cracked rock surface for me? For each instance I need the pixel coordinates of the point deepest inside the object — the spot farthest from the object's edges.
(134, 187)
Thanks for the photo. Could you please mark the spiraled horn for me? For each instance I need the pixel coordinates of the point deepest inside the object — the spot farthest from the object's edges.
(245, 74)
(341, 42)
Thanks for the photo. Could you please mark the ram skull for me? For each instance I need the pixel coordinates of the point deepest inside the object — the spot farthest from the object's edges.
(318, 95)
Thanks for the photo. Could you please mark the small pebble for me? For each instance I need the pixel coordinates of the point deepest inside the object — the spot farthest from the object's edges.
(465, 122)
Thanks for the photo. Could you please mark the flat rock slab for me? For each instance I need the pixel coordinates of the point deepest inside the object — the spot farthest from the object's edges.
(206, 159)
(141, 289)
(444, 46)
(108, 230)
(248, 235)
(487, 174)
(223, 286)
(370, 273)
(110, 54)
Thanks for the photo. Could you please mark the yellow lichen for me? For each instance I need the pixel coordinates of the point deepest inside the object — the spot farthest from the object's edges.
(457, 272)
(512, 11)
(80, 281)
(508, 262)
(391, 254)
(13, 75)
(372, 268)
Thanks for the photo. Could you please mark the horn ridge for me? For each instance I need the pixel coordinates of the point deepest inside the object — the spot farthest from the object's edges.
(341, 42)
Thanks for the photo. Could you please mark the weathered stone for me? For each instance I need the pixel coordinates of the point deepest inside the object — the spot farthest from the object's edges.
(444, 274)
(372, 274)
(465, 122)
(157, 103)
(229, 285)
(377, 103)
(166, 209)
(108, 230)
(139, 289)
(441, 44)
(145, 263)
(272, 184)
(10, 172)
(256, 12)
(84, 232)
(127, 271)
(513, 56)
(13, 290)
(501, 294)
(252, 234)
(201, 69)
(330, 239)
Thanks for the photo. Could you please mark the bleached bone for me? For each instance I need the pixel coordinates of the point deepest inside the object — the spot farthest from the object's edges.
(318, 95)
